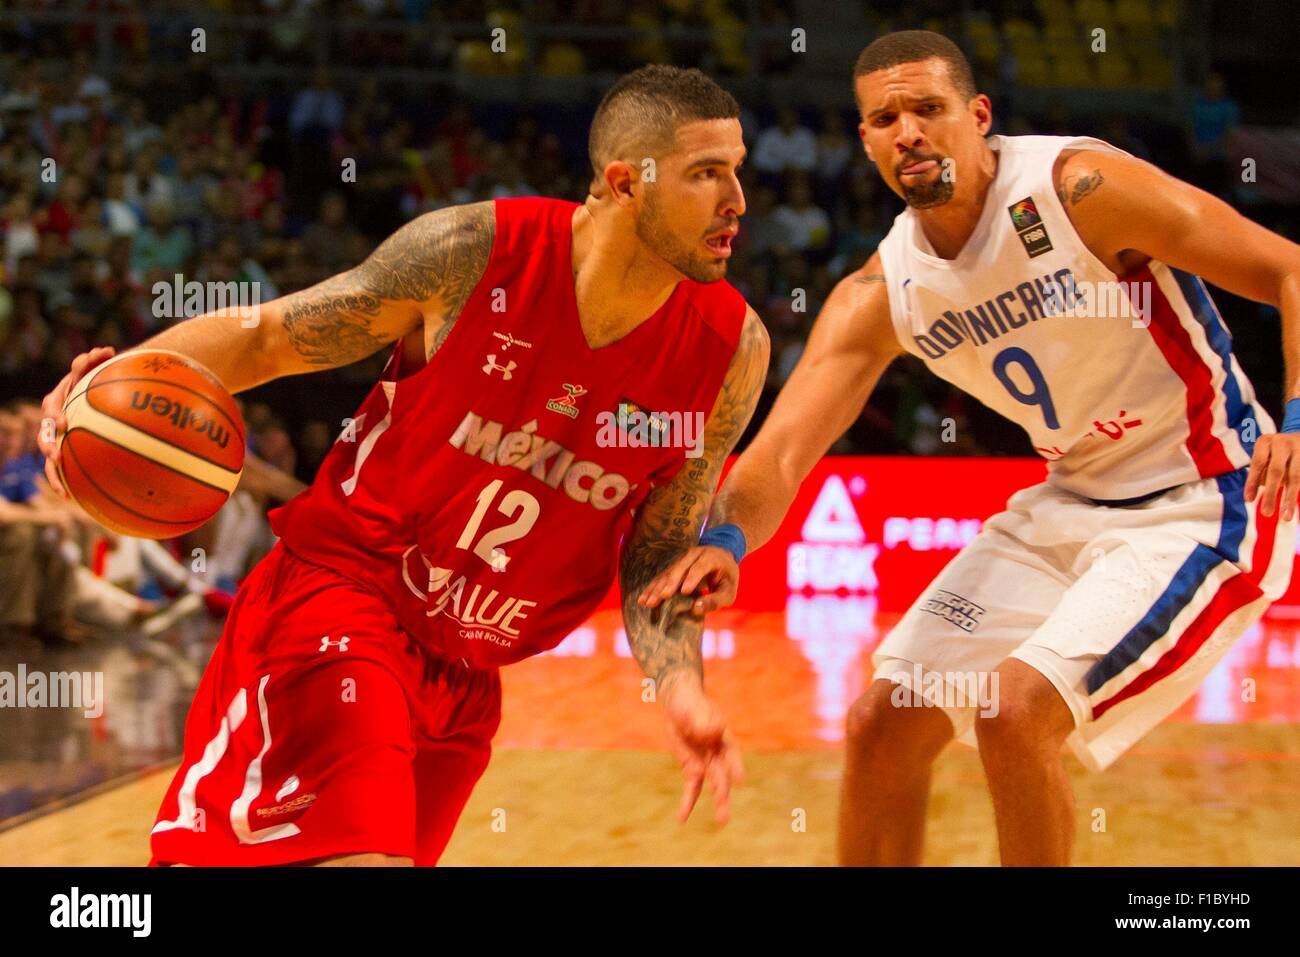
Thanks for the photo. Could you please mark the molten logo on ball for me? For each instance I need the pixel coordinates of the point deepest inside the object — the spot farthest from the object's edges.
(181, 416)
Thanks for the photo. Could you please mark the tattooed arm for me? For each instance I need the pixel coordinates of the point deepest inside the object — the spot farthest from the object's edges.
(1132, 212)
(666, 640)
(420, 276)
(851, 344)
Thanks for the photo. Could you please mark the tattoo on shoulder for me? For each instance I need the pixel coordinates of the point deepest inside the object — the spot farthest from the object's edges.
(1076, 186)
(437, 258)
(870, 278)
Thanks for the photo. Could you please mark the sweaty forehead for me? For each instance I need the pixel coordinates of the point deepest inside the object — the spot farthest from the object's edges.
(896, 86)
(700, 139)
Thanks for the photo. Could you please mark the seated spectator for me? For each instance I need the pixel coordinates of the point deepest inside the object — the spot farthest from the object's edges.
(62, 214)
(162, 248)
(120, 216)
(835, 150)
(146, 184)
(91, 237)
(327, 242)
(53, 265)
(857, 243)
(193, 183)
(805, 226)
(21, 238)
(788, 145)
(760, 233)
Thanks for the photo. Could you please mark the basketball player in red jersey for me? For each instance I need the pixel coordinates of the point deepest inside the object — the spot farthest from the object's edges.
(471, 513)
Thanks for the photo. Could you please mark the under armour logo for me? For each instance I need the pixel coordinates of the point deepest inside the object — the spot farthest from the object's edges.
(341, 644)
(506, 370)
(499, 560)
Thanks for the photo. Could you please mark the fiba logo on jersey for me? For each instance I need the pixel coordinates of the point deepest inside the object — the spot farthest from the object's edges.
(1029, 227)
(634, 427)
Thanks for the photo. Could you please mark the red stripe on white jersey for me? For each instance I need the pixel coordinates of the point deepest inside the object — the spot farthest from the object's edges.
(1237, 592)
(1180, 352)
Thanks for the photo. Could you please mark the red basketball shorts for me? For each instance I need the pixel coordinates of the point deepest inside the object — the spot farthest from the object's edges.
(321, 728)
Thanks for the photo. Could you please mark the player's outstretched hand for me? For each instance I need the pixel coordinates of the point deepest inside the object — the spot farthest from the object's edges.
(53, 423)
(1275, 467)
(704, 565)
(701, 742)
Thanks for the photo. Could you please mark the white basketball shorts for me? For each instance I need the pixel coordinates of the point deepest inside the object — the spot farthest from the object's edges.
(1125, 609)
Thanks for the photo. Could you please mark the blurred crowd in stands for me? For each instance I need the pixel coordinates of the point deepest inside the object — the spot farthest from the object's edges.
(112, 181)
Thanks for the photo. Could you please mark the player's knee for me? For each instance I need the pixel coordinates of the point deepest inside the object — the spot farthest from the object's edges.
(887, 725)
(1030, 716)
(1010, 730)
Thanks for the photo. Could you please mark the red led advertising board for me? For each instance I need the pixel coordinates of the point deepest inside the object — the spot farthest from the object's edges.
(884, 526)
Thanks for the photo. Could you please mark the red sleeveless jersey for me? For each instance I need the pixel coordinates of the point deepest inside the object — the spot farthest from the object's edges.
(485, 495)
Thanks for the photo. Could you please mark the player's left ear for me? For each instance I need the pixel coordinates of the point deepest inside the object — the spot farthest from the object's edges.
(619, 182)
(862, 135)
(981, 108)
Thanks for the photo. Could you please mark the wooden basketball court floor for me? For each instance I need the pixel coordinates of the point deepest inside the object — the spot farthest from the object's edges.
(580, 775)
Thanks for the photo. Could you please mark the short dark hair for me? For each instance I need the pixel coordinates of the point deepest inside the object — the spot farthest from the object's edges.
(912, 46)
(640, 114)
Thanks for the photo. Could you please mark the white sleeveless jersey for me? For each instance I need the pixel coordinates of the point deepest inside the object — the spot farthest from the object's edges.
(1125, 387)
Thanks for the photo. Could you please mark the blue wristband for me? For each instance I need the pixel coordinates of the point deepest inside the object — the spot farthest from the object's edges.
(1291, 421)
(729, 537)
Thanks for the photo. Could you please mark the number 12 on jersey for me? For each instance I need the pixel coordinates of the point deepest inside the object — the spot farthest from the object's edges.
(518, 505)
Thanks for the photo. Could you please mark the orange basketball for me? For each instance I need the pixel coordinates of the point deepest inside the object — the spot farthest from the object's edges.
(154, 444)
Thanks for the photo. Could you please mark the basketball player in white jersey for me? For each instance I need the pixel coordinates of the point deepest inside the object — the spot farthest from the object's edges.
(1100, 598)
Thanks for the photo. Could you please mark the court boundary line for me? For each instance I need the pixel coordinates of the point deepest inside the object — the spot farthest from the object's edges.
(86, 794)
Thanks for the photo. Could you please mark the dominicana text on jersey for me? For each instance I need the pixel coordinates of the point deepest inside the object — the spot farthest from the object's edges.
(1126, 385)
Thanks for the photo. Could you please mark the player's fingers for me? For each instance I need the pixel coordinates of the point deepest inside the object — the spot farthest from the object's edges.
(690, 791)
(53, 421)
(1292, 488)
(52, 475)
(664, 581)
(727, 593)
(735, 764)
(678, 572)
(1258, 466)
(723, 597)
(80, 366)
(88, 360)
(720, 785)
(1273, 477)
(707, 566)
(47, 436)
(665, 584)
(1262, 479)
